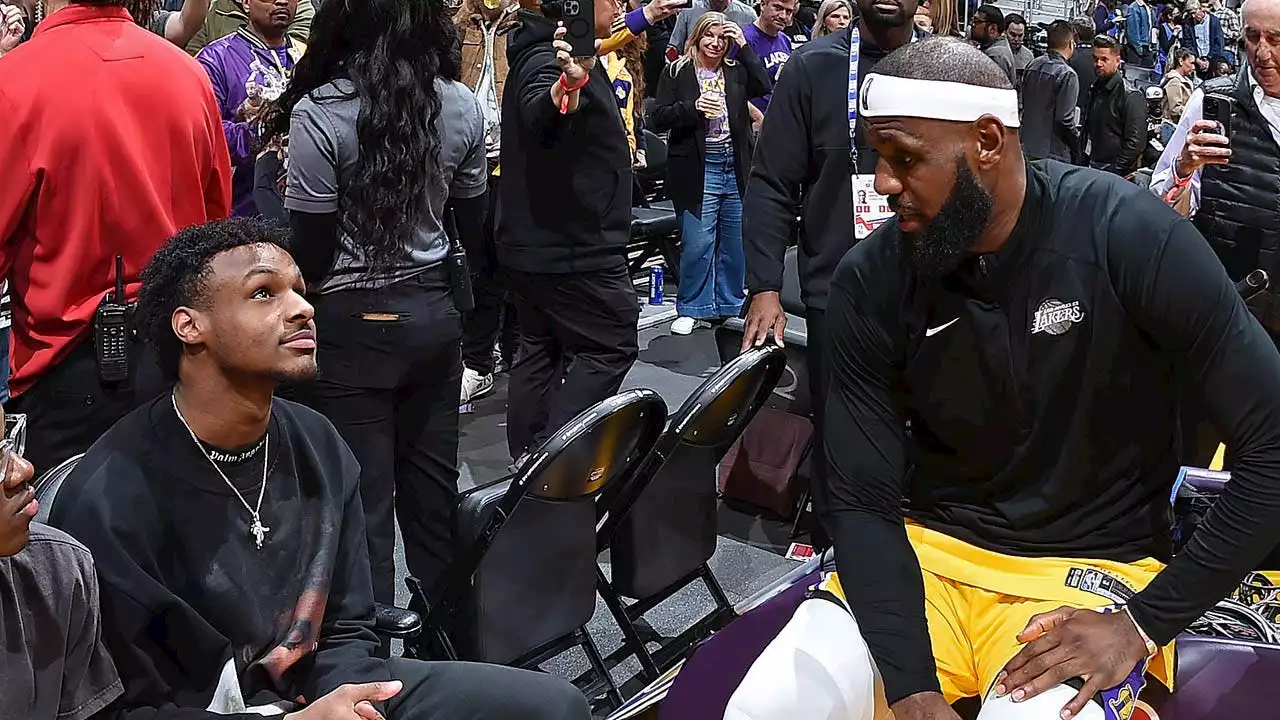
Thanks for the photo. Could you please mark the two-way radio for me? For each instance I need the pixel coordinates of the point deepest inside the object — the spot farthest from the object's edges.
(111, 332)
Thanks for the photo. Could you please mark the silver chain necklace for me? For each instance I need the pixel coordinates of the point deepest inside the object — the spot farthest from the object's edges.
(256, 529)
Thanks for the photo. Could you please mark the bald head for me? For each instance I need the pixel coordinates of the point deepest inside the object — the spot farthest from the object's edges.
(948, 60)
(1262, 43)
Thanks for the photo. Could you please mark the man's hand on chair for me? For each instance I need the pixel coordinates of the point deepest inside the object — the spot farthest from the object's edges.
(765, 314)
(924, 706)
(1100, 648)
(350, 702)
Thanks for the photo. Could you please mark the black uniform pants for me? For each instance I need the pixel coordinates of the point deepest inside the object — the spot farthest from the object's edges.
(69, 408)
(815, 320)
(577, 343)
(390, 372)
(494, 313)
(472, 691)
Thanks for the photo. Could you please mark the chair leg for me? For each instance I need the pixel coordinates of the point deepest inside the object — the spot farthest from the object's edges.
(713, 587)
(795, 524)
(630, 637)
(597, 664)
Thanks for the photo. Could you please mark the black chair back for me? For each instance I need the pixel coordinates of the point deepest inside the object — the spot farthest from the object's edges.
(48, 485)
(662, 526)
(524, 583)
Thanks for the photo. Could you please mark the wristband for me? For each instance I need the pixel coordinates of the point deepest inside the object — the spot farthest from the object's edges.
(567, 88)
(1152, 648)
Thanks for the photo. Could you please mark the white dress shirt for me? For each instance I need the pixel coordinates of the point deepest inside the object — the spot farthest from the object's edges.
(1162, 179)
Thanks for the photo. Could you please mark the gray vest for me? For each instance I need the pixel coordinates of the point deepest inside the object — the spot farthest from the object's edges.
(1240, 201)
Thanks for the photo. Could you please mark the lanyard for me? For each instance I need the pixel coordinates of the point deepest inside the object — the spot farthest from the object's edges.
(855, 52)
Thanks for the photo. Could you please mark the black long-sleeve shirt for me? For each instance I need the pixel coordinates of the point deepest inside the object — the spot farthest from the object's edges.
(193, 613)
(1040, 383)
(802, 158)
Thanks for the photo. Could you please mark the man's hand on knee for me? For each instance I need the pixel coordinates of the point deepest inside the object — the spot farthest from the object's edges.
(350, 702)
(924, 706)
(1100, 648)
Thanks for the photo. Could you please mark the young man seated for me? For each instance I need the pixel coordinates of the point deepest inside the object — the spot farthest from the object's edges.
(53, 663)
(227, 526)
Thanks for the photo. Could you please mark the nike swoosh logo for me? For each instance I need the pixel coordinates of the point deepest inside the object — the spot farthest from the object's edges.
(935, 330)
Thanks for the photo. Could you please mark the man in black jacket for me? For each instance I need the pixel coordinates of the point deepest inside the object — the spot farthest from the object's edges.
(1082, 60)
(1117, 117)
(564, 219)
(1049, 92)
(803, 162)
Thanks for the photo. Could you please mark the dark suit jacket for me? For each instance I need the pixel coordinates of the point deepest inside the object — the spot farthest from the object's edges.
(675, 111)
(1215, 39)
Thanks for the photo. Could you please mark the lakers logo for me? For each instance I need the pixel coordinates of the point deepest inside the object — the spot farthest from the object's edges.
(1056, 317)
(1123, 704)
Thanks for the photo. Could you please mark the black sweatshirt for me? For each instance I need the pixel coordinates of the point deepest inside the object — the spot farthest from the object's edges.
(565, 196)
(1040, 383)
(802, 158)
(184, 589)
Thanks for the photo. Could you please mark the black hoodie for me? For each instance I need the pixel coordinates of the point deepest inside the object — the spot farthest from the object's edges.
(565, 196)
(802, 165)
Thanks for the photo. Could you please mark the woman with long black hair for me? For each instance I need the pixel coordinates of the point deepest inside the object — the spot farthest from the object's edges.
(381, 140)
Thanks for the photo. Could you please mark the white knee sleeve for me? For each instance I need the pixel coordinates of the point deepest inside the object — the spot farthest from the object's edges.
(817, 668)
(1045, 706)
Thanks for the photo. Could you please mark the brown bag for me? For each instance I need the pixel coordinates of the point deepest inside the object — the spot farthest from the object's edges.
(760, 468)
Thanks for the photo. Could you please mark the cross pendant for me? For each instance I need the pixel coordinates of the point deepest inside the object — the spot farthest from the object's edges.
(259, 531)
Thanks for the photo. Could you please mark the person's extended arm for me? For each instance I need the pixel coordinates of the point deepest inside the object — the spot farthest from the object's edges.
(1163, 178)
(861, 502)
(1134, 135)
(1178, 293)
(183, 25)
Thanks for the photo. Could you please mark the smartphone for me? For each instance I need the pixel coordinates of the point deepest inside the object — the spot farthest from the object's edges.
(1218, 109)
(579, 17)
(15, 432)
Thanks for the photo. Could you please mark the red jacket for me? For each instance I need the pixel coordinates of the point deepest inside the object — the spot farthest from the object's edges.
(111, 141)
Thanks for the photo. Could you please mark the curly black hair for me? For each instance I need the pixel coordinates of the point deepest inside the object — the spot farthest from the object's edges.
(178, 275)
(392, 51)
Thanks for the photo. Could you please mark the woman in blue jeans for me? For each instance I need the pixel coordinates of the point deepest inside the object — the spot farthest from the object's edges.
(702, 101)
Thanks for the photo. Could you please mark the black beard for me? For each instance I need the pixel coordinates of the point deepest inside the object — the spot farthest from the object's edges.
(938, 250)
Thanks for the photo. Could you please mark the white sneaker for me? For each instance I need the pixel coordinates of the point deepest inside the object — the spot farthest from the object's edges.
(474, 385)
(686, 325)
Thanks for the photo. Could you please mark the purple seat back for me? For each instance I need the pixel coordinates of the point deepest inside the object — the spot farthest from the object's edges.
(1220, 678)
(712, 674)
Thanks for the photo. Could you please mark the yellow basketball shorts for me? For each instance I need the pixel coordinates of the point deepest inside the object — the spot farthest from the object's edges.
(977, 601)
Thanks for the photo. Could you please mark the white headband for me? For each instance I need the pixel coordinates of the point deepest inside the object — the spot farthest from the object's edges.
(889, 96)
